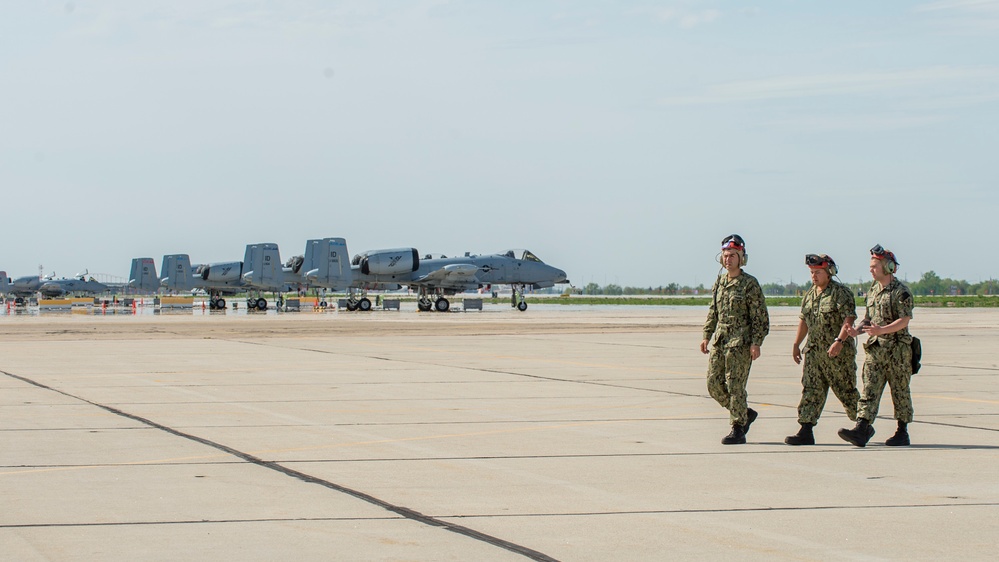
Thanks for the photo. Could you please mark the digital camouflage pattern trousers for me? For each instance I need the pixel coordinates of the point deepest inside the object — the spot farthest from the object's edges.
(728, 373)
(891, 364)
(822, 373)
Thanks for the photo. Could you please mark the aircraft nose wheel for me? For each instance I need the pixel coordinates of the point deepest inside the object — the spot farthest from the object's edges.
(522, 306)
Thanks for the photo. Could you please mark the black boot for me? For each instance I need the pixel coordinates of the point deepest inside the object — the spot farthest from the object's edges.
(736, 437)
(751, 416)
(901, 437)
(859, 435)
(803, 437)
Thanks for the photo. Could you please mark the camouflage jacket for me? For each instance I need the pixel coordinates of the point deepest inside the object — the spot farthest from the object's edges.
(738, 313)
(886, 305)
(824, 313)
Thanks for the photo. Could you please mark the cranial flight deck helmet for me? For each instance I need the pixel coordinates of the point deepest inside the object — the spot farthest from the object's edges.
(888, 261)
(735, 242)
(821, 261)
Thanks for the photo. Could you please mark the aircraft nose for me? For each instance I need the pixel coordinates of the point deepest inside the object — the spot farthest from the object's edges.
(560, 276)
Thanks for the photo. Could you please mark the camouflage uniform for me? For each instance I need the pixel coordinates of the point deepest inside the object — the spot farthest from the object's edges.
(824, 313)
(737, 318)
(889, 357)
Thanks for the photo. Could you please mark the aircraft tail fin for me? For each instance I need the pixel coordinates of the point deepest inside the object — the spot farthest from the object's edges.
(177, 273)
(4, 283)
(143, 275)
(262, 265)
(327, 264)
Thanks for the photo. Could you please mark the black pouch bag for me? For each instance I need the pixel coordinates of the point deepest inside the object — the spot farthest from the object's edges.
(917, 354)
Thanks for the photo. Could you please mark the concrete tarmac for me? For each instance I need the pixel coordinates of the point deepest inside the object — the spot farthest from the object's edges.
(580, 433)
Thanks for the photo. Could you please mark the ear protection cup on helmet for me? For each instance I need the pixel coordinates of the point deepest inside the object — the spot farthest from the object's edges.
(889, 265)
(833, 270)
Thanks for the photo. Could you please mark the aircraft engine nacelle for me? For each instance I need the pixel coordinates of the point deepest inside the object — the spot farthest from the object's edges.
(389, 262)
(222, 272)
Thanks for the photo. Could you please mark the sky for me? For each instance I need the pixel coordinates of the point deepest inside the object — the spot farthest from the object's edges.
(619, 141)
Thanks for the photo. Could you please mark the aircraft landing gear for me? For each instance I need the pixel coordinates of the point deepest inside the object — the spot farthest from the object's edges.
(363, 304)
(517, 299)
(215, 302)
(437, 302)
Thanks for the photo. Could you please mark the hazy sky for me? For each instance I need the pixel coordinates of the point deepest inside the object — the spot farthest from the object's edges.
(620, 141)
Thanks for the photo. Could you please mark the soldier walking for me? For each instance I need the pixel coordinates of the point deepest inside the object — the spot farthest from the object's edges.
(827, 314)
(889, 351)
(737, 323)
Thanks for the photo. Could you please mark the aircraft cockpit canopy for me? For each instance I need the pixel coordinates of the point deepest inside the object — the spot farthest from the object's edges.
(524, 255)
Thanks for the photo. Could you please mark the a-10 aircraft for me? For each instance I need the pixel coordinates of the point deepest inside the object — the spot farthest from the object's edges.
(434, 278)
(29, 285)
(79, 285)
(142, 278)
(324, 265)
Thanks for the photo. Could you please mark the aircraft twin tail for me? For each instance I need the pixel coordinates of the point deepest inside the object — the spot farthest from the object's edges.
(324, 265)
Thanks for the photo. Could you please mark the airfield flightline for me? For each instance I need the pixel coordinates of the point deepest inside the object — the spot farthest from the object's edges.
(579, 433)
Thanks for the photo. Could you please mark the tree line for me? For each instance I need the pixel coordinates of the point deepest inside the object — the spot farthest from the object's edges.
(930, 284)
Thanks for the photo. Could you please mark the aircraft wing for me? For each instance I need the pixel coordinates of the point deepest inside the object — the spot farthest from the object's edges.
(454, 276)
